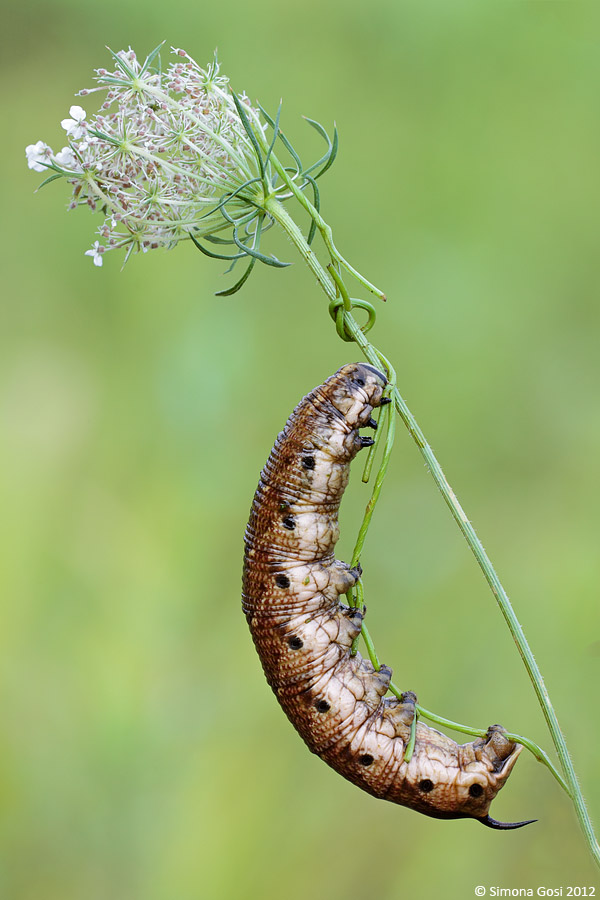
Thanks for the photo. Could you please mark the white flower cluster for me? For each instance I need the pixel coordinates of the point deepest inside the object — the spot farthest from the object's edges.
(40, 155)
(159, 155)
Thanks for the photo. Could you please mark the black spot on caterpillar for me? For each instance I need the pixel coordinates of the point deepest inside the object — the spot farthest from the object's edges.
(303, 634)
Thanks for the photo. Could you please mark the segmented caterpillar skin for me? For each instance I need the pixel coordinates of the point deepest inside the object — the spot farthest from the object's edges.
(303, 634)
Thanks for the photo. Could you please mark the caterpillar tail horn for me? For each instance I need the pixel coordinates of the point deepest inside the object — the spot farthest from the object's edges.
(504, 826)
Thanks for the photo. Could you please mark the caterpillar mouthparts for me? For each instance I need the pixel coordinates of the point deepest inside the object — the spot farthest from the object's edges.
(303, 634)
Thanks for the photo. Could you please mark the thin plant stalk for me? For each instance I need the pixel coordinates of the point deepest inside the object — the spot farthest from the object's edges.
(275, 209)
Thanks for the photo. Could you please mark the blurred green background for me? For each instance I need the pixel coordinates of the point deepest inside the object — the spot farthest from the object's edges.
(142, 754)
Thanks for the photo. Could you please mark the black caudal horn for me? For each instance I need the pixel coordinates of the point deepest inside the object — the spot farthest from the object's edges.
(503, 826)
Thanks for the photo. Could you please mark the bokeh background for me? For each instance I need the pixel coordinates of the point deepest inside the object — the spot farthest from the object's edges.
(142, 754)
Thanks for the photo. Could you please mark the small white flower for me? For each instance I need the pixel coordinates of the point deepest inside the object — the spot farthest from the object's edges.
(66, 159)
(75, 126)
(37, 154)
(96, 252)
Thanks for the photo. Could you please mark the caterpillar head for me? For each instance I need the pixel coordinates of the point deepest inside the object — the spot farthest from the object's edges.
(354, 390)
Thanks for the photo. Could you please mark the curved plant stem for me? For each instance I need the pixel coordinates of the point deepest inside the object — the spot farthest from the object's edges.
(354, 332)
(536, 751)
(362, 534)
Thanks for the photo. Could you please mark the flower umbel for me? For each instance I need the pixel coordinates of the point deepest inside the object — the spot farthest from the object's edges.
(159, 154)
(175, 155)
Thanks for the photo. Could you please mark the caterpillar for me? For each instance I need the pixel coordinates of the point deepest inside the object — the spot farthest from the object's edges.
(303, 633)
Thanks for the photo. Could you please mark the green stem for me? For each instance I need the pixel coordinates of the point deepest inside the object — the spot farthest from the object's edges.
(281, 216)
(539, 754)
(533, 748)
(362, 534)
(278, 212)
(325, 230)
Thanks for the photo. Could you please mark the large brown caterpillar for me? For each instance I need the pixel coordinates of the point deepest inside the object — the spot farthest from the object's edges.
(303, 634)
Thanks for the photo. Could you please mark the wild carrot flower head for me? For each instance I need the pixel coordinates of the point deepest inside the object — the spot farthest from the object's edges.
(172, 155)
(157, 156)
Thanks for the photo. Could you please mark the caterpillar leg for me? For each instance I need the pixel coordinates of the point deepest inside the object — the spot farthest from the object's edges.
(342, 577)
